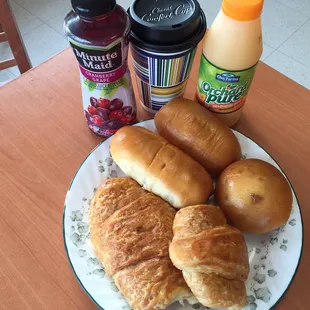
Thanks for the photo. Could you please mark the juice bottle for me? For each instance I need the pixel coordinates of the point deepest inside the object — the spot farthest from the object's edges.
(231, 50)
(98, 32)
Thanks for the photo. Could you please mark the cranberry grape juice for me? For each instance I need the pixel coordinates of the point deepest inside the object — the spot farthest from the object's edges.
(98, 32)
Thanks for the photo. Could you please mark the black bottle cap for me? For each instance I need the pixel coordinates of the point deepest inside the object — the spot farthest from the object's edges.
(166, 25)
(92, 8)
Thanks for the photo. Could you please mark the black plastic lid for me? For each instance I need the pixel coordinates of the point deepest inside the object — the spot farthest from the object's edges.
(92, 8)
(161, 25)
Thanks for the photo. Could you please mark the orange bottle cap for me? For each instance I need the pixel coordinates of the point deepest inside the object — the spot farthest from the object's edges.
(242, 10)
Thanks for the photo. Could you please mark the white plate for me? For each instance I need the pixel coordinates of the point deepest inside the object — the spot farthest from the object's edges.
(274, 257)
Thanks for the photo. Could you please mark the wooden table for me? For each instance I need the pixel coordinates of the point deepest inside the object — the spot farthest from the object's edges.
(43, 140)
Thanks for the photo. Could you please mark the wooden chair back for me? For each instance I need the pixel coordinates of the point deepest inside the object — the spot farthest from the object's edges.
(9, 32)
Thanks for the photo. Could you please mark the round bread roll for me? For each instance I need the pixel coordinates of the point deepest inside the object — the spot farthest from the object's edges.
(199, 133)
(254, 195)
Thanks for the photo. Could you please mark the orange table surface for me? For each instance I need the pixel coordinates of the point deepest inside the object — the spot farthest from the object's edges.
(43, 140)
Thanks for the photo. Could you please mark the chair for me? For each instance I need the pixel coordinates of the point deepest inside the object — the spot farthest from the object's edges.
(9, 32)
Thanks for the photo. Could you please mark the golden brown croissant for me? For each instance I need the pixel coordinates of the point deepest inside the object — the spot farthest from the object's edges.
(212, 255)
(130, 231)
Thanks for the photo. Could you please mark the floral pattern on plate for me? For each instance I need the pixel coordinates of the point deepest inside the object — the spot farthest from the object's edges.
(274, 257)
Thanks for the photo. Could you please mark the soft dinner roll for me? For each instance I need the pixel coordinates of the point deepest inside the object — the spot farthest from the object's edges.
(254, 195)
(198, 132)
(160, 167)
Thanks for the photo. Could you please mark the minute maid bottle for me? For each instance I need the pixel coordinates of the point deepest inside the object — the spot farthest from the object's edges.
(231, 51)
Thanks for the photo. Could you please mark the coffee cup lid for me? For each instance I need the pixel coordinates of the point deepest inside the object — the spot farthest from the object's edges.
(162, 25)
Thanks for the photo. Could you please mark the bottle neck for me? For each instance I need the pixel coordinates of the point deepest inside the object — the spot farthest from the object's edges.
(96, 18)
(95, 14)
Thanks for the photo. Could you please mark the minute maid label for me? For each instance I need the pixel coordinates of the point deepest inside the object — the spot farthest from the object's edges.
(220, 90)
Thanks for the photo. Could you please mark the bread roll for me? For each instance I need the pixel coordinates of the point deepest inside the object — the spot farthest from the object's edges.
(212, 256)
(199, 133)
(254, 195)
(160, 167)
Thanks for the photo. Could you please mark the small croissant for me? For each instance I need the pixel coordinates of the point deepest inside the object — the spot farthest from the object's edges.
(212, 255)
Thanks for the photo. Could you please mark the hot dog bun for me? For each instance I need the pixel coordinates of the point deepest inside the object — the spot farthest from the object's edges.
(199, 133)
(160, 167)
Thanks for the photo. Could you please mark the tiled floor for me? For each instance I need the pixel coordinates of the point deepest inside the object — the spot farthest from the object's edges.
(286, 33)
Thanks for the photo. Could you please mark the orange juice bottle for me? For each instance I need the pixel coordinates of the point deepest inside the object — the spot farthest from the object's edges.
(231, 50)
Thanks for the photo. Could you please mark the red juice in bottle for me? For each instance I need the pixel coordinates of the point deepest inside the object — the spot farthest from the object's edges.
(98, 32)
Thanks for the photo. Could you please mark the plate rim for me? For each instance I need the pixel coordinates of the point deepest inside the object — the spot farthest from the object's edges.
(233, 129)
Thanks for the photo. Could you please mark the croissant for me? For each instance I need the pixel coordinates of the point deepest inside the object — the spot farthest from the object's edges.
(212, 255)
(130, 231)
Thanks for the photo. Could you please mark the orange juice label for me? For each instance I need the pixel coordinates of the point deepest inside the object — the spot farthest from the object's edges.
(220, 90)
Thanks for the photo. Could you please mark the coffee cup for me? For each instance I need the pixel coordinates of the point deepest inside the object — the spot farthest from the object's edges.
(163, 40)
